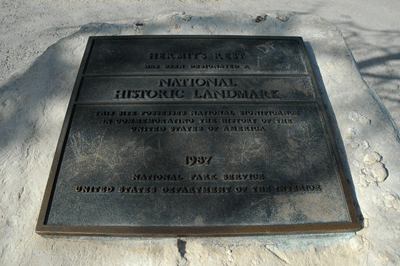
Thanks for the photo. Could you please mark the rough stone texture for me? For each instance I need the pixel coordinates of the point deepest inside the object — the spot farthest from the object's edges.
(33, 105)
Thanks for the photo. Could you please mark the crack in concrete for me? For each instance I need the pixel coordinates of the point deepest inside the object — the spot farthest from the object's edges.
(285, 261)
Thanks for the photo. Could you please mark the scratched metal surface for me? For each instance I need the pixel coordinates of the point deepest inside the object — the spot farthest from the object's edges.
(294, 154)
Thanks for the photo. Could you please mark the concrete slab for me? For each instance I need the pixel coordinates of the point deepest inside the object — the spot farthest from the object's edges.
(34, 104)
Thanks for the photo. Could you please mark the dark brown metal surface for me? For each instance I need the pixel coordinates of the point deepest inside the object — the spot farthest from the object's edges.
(195, 136)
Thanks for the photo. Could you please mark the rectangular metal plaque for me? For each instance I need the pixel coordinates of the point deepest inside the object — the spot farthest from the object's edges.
(196, 135)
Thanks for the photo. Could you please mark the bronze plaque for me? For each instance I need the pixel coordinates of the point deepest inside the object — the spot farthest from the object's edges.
(196, 136)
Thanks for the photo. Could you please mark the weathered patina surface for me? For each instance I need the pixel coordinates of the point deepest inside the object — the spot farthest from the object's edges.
(196, 136)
